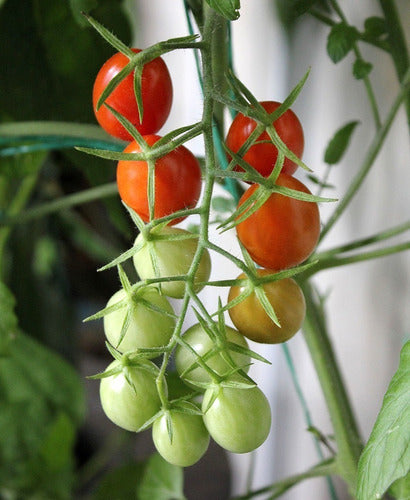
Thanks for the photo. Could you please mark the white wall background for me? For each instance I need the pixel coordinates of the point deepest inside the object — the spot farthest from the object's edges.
(369, 314)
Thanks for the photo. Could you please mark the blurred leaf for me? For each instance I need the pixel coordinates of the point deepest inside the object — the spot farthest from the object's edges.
(386, 456)
(58, 446)
(290, 10)
(339, 142)
(361, 68)
(223, 204)
(42, 403)
(161, 481)
(400, 489)
(8, 320)
(18, 166)
(227, 8)
(79, 6)
(37, 34)
(375, 26)
(340, 41)
(121, 483)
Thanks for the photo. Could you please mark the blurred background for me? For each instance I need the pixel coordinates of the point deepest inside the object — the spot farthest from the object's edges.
(49, 60)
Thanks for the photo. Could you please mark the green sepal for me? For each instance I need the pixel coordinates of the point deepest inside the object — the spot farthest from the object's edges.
(108, 36)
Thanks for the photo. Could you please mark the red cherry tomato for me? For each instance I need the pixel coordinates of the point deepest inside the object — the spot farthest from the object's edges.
(284, 231)
(177, 181)
(156, 97)
(262, 157)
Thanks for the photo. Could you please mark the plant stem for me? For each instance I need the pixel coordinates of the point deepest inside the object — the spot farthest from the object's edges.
(397, 44)
(67, 201)
(20, 199)
(335, 261)
(371, 155)
(325, 468)
(370, 240)
(344, 425)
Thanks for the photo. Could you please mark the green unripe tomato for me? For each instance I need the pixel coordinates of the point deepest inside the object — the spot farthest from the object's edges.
(173, 258)
(147, 327)
(239, 420)
(200, 341)
(130, 406)
(190, 439)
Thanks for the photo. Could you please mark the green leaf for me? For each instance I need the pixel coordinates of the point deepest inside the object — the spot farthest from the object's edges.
(57, 448)
(361, 68)
(340, 41)
(386, 456)
(8, 319)
(38, 34)
(339, 142)
(42, 403)
(227, 8)
(375, 26)
(121, 483)
(161, 481)
(400, 489)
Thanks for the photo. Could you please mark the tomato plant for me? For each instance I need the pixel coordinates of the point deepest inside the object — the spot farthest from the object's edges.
(156, 90)
(239, 419)
(214, 355)
(148, 315)
(284, 231)
(188, 441)
(251, 319)
(263, 154)
(162, 258)
(129, 397)
(177, 181)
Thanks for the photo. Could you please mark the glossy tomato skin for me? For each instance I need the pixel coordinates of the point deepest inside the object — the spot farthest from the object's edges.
(250, 318)
(284, 231)
(156, 97)
(200, 341)
(190, 439)
(147, 327)
(126, 406)
(173, 258)
(177, 181)
(239, 420)
(262, 157)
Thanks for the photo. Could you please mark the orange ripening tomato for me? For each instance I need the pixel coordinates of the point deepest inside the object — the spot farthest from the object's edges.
(156, 90)
(262, 156)
(250, 318)
(177, 181)
(284, 231)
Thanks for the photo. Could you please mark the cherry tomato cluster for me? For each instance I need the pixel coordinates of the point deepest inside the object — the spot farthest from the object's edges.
(210, 358)
(280, 234)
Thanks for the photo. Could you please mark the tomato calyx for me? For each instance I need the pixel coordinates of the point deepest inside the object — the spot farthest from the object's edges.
(216, 388)
(181, 405)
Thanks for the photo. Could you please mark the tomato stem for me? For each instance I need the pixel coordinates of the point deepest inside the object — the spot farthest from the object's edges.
(344, 425)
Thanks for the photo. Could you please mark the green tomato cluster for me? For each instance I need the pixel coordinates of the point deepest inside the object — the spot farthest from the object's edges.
(218, 400)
